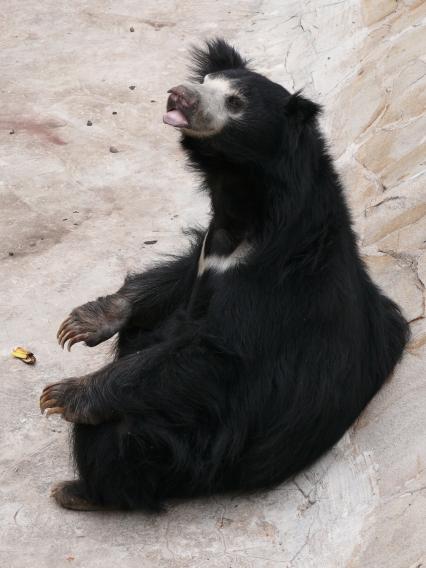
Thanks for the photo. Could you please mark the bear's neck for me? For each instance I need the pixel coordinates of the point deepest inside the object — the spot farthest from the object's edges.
(237, 202)
(279, 201)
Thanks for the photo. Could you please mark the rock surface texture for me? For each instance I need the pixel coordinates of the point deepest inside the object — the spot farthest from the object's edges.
(74, 217)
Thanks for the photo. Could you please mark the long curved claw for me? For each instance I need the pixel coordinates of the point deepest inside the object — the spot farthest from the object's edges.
(67, 334)
(63, 325)
(50, 385)
(70, 331)
(76, 339)
(48, 396)
(44, 398)
(66, 329)
(54, 410)
(47, 403)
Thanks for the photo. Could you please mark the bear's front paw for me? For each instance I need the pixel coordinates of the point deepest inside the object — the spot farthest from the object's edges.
(71, 399)
(94, 322)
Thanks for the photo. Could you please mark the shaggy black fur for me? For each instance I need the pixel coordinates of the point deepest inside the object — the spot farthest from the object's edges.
(235, 381)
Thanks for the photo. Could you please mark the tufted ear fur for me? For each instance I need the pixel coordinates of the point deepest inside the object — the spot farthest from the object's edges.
(216, 56)
(302, 110)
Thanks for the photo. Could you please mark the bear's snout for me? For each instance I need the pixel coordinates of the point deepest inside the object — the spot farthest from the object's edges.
(182, 96)
(181, 104)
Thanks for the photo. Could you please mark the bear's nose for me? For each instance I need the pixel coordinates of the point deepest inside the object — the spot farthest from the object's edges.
(182, 95)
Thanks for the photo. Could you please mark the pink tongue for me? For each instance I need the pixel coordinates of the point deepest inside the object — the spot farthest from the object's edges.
(175, 118)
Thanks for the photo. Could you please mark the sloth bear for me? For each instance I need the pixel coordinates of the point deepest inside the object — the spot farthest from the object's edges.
(244, 359)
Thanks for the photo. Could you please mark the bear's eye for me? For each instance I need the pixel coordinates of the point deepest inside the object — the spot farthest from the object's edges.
(233, 102)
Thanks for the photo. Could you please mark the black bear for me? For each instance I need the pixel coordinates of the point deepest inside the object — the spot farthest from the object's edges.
(244, 359)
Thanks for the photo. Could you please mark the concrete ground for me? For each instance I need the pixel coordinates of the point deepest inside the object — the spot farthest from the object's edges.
(74, 217)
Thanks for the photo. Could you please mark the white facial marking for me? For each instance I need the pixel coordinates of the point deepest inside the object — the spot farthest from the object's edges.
(216, 92)
(213, 110)
(221, 263)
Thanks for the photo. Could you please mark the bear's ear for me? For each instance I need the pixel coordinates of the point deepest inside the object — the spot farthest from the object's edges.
(216, 56)
(302, 110)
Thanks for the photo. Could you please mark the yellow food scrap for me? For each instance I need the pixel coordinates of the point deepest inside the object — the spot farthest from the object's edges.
(25, 356)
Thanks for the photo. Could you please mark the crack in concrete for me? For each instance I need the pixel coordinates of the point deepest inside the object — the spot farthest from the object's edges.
(219, 525)
(385, 200)
(307, 496)
(168, 543)
(409, 261)
(304, 545)
(15, 516)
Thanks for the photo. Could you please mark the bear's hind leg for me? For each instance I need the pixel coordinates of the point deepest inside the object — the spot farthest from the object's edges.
(73, 495)
(113, 470)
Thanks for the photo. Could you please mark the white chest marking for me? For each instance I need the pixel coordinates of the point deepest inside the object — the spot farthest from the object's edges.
(221, 263)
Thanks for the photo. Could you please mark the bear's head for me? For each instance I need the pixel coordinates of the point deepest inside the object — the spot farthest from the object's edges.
(234, 109)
